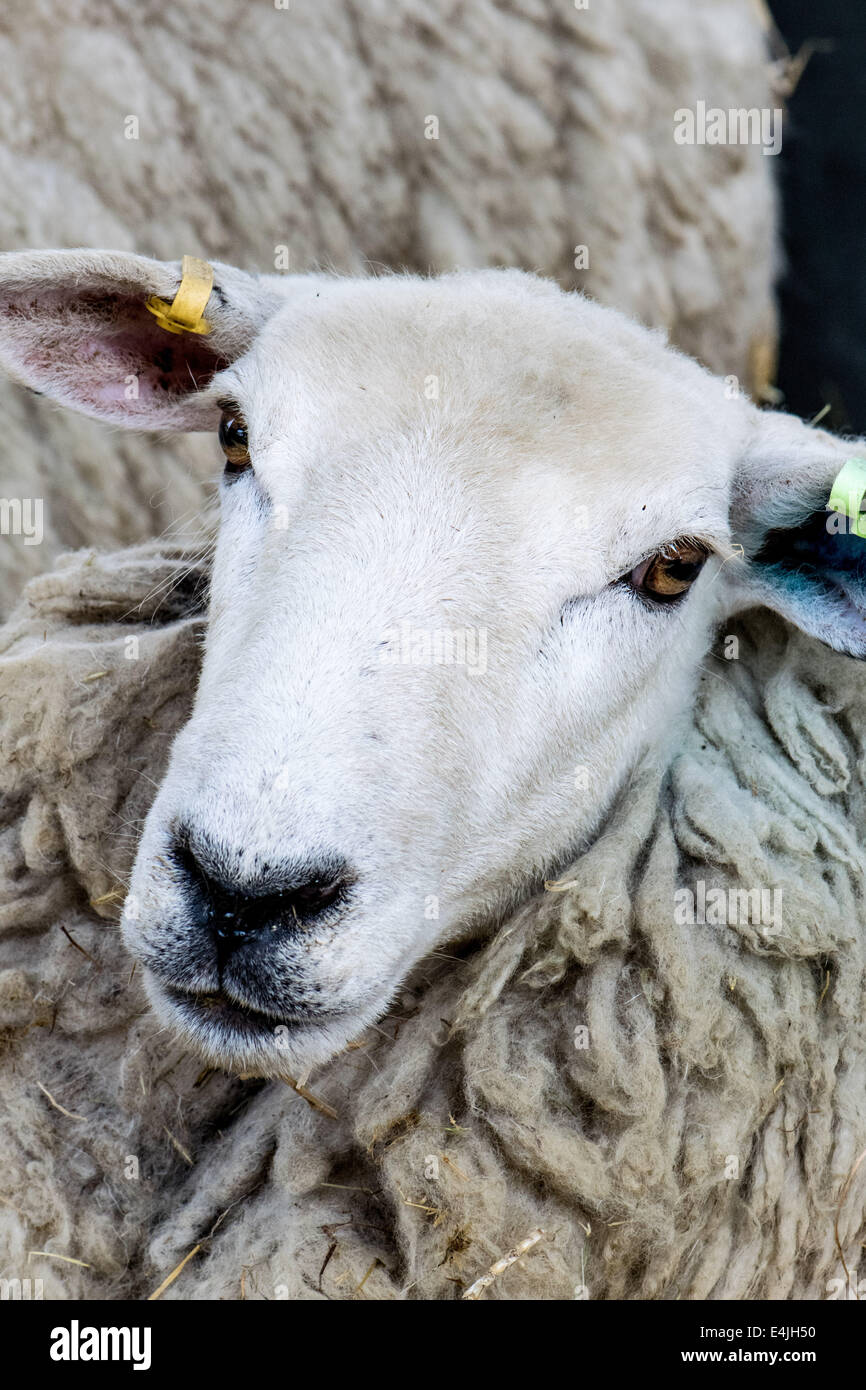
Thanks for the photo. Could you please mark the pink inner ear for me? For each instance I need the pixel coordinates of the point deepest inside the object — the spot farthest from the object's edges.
(107, 355)
(165, 365)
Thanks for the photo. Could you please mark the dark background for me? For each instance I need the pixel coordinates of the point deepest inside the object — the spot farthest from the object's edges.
(823, 180)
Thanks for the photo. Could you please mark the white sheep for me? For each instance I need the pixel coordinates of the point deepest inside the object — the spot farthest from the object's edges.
(409, 458)
(351, 136)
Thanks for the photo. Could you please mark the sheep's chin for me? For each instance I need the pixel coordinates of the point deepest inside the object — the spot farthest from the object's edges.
(242, 1040)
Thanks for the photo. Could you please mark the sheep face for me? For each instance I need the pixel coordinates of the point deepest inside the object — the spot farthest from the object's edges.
(475, 536)
(435, 647)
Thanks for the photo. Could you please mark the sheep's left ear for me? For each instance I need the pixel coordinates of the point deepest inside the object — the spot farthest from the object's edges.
(802, 559)
(79, 326)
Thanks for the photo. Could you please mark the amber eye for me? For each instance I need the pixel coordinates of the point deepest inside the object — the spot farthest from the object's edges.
(233, 440)
(670, 573)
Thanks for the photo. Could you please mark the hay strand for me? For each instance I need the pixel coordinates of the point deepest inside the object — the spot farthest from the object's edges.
(477, 1289)
(852, 1173)
(170, 1278)
(70, 1115)
(50, 1255)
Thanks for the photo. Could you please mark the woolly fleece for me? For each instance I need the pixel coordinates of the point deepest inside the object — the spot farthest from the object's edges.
(695, 1148)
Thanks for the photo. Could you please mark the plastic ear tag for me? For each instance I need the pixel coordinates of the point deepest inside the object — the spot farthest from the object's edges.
(847, 492)
(184, 314)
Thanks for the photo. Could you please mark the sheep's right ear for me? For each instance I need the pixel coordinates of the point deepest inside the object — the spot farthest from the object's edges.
(75, 325)
(802, 559)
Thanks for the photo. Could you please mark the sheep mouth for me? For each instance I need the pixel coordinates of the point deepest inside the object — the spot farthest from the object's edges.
(242, 1022)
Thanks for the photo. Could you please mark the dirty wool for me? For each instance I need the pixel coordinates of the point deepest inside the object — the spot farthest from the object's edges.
(635, 1086)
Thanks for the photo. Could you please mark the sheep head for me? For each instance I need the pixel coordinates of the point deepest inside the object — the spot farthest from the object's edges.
(476, 536)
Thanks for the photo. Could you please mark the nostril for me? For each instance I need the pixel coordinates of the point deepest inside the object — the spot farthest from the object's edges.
(310, 898)
(283, 897)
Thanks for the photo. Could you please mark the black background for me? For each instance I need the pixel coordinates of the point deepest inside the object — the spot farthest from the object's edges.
(822, 167)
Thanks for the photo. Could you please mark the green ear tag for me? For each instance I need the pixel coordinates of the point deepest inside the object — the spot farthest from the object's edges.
(847, 492)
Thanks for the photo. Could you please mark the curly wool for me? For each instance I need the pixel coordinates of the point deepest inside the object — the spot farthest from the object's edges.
(677, 1107)
(264, 132)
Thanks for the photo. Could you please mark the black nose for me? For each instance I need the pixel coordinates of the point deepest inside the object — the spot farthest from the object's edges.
(285, 897)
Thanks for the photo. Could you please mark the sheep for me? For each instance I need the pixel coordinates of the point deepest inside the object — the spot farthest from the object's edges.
(599, 1034)
(419, 136)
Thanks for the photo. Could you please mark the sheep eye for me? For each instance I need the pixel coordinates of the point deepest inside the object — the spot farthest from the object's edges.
(670, 573)
(233, 440)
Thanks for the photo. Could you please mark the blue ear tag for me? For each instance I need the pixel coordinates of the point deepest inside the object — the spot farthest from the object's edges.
(847, 493)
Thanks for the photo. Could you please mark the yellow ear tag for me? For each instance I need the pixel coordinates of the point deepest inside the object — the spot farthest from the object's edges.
(184, 314)
(846, 495)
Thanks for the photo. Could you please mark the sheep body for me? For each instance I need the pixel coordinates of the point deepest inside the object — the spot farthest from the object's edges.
(693, 1141)
(676, 1106)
